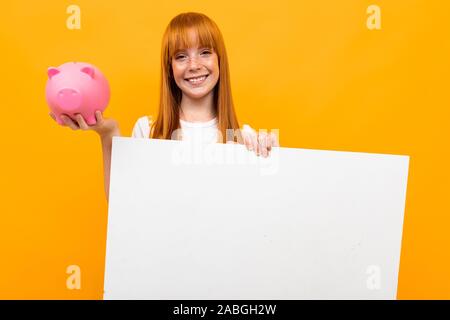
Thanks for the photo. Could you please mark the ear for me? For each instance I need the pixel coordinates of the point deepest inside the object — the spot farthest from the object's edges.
(51, 72)
(89, 71)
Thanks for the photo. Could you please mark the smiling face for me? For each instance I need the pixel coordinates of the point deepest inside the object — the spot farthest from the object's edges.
(195, 69)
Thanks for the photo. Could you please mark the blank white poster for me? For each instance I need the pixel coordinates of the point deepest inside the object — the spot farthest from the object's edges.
(218, 222)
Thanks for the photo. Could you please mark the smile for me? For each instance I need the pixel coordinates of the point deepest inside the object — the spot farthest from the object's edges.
(197, 80)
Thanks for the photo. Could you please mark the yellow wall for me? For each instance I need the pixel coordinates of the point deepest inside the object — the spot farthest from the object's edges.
(310, 68)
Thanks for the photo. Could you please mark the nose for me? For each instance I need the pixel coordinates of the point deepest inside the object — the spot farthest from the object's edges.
(193, 63)
(69, 99)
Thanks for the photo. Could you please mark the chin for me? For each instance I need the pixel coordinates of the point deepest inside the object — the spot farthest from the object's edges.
(196, 95)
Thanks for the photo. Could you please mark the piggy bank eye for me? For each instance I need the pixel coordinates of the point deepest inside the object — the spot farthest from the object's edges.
(89, 71)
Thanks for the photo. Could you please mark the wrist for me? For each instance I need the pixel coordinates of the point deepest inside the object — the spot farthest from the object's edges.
(109, 135)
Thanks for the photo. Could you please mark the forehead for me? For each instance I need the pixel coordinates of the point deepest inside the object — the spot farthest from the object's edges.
(190, 38)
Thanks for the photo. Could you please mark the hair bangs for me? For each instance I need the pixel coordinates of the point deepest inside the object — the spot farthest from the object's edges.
(181, 39)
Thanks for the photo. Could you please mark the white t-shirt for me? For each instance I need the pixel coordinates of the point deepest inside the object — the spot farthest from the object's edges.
(192, 131)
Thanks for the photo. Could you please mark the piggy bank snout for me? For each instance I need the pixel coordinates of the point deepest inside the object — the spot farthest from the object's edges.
(68, 99)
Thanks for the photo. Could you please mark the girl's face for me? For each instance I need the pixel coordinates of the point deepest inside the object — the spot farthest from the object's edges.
(196, 71)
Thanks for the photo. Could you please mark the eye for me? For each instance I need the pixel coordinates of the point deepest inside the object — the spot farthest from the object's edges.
(206, 52)
(180, 56)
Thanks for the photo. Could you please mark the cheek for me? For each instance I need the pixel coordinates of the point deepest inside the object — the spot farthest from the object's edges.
(216, 76)
(215, 64)
(214, 67)
(177, 72)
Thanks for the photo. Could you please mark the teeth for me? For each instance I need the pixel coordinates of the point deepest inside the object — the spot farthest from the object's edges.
(196, 80)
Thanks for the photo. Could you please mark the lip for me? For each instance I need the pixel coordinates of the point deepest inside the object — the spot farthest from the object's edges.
(198, 83)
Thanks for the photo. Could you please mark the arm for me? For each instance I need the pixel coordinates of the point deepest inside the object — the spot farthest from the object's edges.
(106, 129)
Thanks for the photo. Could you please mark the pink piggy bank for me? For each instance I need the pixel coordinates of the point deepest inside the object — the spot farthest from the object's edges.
(76, 87)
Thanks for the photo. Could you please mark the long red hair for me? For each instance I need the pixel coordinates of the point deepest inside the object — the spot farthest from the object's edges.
(176, 37)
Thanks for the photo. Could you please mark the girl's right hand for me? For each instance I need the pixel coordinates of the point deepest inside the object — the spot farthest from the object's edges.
(104, 127)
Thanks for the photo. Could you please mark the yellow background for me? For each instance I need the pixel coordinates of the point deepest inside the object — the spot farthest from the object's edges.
(310, 68)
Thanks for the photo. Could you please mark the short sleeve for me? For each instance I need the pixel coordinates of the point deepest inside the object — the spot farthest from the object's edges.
(247, 128)
(141, 128)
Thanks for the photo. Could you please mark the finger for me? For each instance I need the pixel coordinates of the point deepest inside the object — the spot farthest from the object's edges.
(255, 145)
(262, 141)
(69, 122)
(98, 116)
(274, 139)
(269, 142)
(81, 122)
(247, 141)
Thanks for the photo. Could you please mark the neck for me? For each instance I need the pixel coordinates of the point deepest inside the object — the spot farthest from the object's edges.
(197, 110)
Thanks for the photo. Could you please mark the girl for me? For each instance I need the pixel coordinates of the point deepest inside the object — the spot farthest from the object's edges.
(195, 94)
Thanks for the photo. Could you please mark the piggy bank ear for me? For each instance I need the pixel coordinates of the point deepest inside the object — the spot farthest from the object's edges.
(51, 72)
(89, 71)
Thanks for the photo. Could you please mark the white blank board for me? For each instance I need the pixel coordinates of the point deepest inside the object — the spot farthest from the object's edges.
(301, 224)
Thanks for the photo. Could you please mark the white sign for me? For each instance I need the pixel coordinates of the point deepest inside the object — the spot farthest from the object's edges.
(218, 222)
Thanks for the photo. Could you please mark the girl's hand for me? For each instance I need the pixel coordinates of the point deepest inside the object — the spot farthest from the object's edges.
(104, 127)
(261, 143)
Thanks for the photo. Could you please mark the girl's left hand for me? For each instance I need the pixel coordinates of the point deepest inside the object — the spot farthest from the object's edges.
(261, 143)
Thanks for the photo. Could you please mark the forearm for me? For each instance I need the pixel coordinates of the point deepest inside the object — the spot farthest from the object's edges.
(106, 151)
